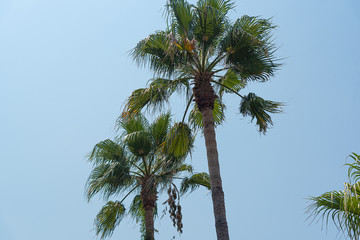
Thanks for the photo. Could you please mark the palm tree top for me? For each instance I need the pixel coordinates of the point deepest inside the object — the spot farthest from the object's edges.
(201, 42)
(200, 38)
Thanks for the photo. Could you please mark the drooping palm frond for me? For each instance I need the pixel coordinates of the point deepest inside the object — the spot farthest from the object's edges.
(111, 173)
(155, 96)
(259, 109)
(195, 181)
(108, 218)
(108, 179)
(340, 207)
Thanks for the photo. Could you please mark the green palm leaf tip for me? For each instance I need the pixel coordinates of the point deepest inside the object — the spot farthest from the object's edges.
(342, 207)
(258, 108)
(195, 181)
(108, 218)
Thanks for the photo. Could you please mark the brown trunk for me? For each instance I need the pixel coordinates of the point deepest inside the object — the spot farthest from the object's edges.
(204, 96)
(148, 199)
(217, 192)
(149, 223)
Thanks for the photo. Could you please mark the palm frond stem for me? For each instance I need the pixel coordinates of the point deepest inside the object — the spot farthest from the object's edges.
(227, 88)
(129, 193)
(187, 107)
(216, 61)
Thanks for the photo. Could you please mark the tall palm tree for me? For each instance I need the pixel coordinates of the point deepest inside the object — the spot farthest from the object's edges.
(342, 207)
(139, 161)
(205, 55)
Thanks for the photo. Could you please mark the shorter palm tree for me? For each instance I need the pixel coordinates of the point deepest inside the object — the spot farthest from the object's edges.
(145, 159)
(342, 207)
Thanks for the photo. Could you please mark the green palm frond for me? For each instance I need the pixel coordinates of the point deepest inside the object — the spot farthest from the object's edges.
(210, 20)
(250, 51)
(136, 209)
(195, 116)
(163, 53)
(354, 168)
(107, 151)
(195, 181)
(160, 127)
(179, 141)
(109, 179)
(135, 123)
(157, 51)
(180, 17)
(256, 107)
(230, 83)
(139, 143)
(108, 218)
(169, 169)
(342, 207)
(155, 95)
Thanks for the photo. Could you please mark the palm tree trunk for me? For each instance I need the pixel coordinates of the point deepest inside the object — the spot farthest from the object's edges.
(149, 223)
(217, 192)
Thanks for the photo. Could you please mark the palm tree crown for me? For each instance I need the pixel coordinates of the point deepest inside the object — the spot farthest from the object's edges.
(144, 160)
(205, 55)
(201, 47)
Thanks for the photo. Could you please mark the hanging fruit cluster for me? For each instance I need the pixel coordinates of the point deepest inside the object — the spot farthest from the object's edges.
(175, 208)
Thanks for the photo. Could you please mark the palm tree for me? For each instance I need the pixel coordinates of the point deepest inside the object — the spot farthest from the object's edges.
(204, 55)
(139, 162)
(342, 207)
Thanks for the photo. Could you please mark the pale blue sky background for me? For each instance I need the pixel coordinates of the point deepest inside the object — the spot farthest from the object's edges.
(65, 72)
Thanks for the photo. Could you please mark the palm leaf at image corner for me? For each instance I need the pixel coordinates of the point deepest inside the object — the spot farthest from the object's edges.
(341, 207)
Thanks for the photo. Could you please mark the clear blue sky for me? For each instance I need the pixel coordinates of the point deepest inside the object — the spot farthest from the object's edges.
(65, 72)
